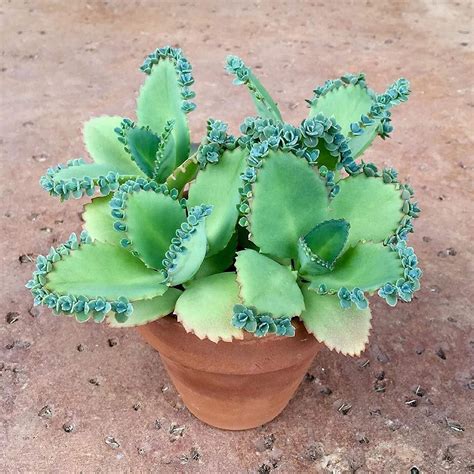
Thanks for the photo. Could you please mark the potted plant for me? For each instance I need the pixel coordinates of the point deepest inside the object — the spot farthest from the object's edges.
(239, 259)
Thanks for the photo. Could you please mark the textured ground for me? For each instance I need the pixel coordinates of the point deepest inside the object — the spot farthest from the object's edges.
(62, 64)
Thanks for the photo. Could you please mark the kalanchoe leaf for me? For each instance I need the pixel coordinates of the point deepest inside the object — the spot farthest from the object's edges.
(144, 311)
(264, 103)
(284, 327)
(142, 201)
(165, 162)
(216, 142)
(265, 325)
(165, 96)
(360, 112)
(78, 178)
(220, 262)
(318, 140)
(287, 198)
(99, 222)
(218, 185)
(319, 249)
(403, 288)
(366, 266)
(188, 249)
(244, 318)
(248, 319)
(142, 145)
(377, 210)
(100, 140)
(74, 279)
(359, 299)
(345, 330)
(267, 285)
(183, 174)
(206, 307)
(345, 298)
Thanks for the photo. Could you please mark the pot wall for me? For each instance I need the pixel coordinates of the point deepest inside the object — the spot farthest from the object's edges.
(233, 385)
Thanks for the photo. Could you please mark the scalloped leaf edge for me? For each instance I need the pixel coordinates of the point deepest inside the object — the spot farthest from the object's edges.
(83, 308)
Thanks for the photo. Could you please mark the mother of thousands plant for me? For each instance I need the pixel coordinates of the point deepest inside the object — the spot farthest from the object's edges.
(244, 233)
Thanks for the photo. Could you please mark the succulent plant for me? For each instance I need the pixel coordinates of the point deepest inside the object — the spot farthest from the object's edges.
(243, 233)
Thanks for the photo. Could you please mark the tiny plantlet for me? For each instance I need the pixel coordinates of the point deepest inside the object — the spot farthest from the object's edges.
(243, 233)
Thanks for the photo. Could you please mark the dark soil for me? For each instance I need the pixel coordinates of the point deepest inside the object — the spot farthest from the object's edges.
(92, 399)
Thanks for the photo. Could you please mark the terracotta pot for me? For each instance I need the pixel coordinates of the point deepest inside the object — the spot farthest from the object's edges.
(233, 385)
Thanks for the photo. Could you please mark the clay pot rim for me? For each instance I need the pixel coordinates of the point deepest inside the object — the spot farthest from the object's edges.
(244, 356)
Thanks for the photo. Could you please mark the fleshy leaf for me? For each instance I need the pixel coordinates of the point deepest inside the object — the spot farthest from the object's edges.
(267, 285)
(143, 145)
(183, 174)
(265, 105)
(188, 247)
(101, 142)
(218, 186)
(289, 199)
(205, 308)
(164, 96)
(367, 266)
(319, 249)
(215, 143)
(405, 286)
(372, 207)
(346, 102)
(99, 222)
(78, 178)
(148, 215)
(361, 113)
(147, 311)
(103, 270)
(248, 319)
(81, 306)
(344, 330)
(165, 159)
(220, 262)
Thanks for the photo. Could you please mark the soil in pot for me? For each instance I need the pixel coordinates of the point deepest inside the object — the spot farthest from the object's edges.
(233, 385)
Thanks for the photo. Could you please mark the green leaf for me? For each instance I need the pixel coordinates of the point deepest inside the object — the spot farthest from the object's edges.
(78, 178)
(289, 199)
(265, 105)
(160, 100)
(183, 174)
(344, 330)
(147, 311)
(103, 270)
(267, 285)
(319, 249)
(165, 157)
(151, 220)
(103, 146)
(205, 308)
(359, 143)
(218, 185)
(99, 222)
(143, 145)
(346, 103)
(367, 266)
(188, 248)
(220, 262)
(373, 208)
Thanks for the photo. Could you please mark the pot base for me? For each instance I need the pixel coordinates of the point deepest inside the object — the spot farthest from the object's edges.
(234, 385)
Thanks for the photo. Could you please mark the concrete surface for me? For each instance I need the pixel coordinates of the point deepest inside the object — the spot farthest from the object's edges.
(63, 62)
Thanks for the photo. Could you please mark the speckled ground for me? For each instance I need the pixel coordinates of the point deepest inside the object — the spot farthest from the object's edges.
(65, 61)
